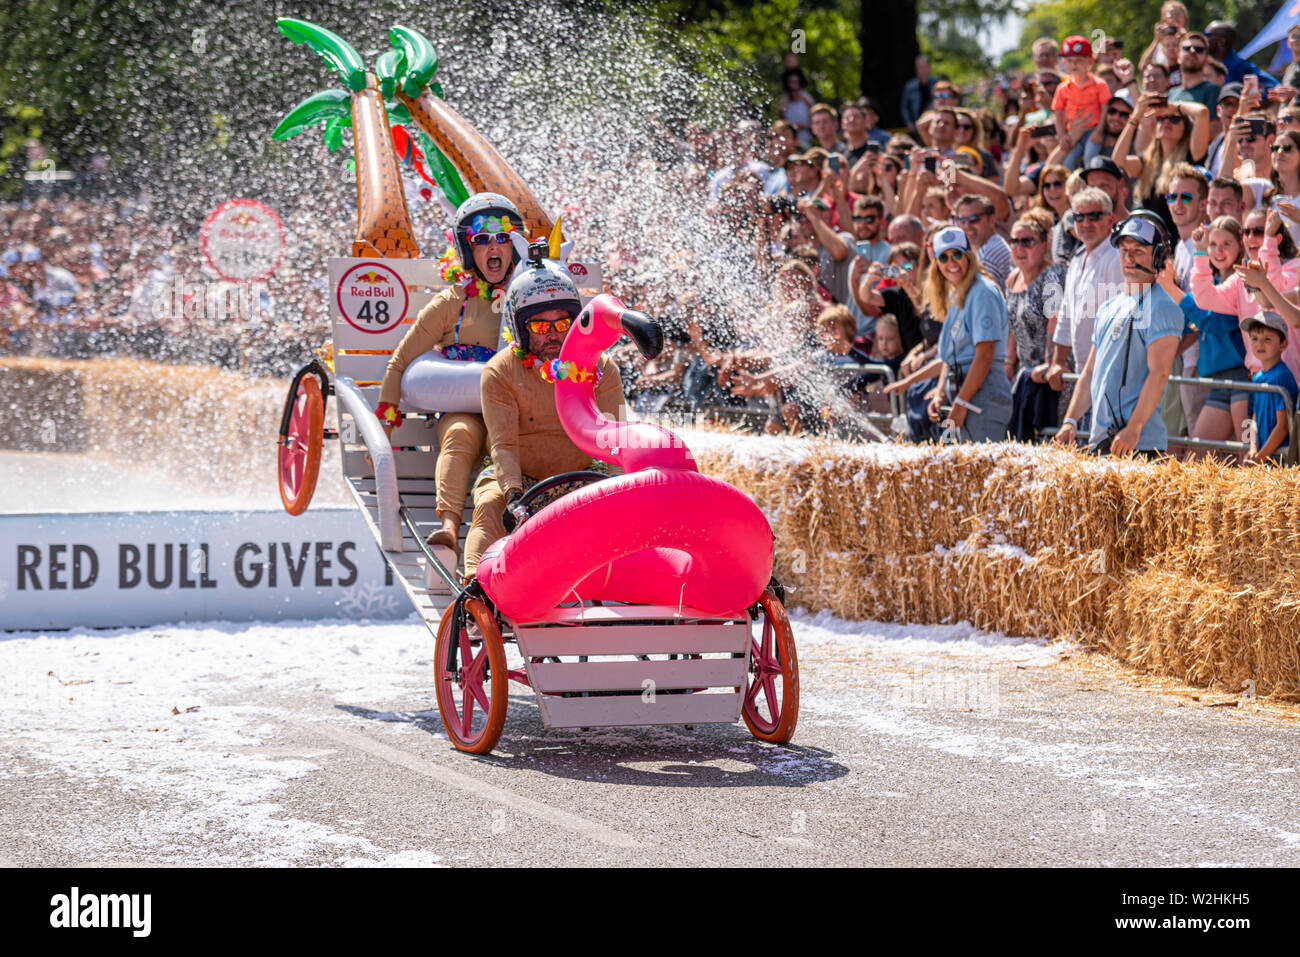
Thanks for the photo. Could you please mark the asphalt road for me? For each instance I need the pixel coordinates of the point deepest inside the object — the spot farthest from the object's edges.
(314, 744)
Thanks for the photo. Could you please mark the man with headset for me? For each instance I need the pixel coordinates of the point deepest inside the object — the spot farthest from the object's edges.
(1134, 342)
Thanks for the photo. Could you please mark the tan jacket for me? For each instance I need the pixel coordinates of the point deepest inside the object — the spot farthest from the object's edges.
(436, 326)
(524, 431)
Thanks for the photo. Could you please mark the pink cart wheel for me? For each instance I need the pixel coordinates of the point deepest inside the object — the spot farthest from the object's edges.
(472, 690)
(771, 708)
(300, 446)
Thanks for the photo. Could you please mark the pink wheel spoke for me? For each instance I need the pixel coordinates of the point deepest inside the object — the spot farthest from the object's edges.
(751, 693)
(474, 687)
(769, 692)
(767, 638)
(467, 719)
(466, 656)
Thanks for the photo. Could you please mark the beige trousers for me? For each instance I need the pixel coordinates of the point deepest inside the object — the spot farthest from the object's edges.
(461, 440)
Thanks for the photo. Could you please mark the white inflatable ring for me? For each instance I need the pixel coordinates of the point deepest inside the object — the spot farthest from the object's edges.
(434, 383)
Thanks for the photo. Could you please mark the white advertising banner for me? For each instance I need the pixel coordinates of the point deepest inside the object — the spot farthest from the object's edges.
(113, 569)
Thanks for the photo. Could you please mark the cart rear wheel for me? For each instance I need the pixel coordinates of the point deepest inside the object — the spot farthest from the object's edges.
(472, 679)
(300, 446)
(771, 708)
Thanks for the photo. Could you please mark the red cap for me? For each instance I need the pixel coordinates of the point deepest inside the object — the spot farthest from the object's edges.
(1076, 46)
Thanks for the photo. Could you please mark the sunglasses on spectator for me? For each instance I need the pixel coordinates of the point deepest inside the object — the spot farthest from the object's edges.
(965, 126)
(1192, 48)
(1124, 113)
(951, 255)
(866, 219)
(945, 95)
(1025, 242)
(1172, 198)
(1252, 230)
(1249, 139)
(1095, 216)
(1284, 148)
(1288, 119)
(1055, 184)
(973, 218)
(1171, 118)
(542, 326)
(485, 239)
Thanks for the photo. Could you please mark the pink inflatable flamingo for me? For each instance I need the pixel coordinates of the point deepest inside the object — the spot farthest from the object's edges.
(660, 534)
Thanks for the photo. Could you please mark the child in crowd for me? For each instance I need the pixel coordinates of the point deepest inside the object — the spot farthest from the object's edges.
(1081, 93)
(1268, 334)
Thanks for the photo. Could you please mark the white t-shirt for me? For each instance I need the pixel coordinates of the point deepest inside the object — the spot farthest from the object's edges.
(1091, 279)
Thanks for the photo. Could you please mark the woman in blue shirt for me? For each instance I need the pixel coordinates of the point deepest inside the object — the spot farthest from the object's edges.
(973, 343)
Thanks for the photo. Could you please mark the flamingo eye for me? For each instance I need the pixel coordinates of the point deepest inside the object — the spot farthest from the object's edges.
(584, 321)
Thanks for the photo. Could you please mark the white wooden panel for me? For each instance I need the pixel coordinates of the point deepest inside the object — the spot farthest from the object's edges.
(632, 675)
(420, 280)
(413, 431)
(623, 710)
(631, 640)
(409, 464)
(602, 613)
(360, 368)
(408, 486)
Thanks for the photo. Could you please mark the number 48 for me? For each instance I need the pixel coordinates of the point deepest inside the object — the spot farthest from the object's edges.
(380, 313)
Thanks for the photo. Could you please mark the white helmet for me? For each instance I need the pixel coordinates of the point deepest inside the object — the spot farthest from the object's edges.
(539, 284)
(484, 212)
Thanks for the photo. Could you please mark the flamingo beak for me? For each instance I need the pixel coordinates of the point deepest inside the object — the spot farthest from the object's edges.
(645, 332)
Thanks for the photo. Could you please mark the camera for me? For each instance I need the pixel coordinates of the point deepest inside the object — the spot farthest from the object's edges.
(782, 205)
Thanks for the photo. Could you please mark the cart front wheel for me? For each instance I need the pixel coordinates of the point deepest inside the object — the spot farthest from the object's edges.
(472, 679)
(300, 445)
(771, 708)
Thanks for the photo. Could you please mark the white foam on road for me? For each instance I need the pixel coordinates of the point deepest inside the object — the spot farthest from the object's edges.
(962, 640)
(97, 707)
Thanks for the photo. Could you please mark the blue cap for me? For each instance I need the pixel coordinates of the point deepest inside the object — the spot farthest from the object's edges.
(1139, 228)
(950, 237)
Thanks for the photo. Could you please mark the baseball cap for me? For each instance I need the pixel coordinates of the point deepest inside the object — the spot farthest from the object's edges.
(1076, 46)
(950, 237)
(1103, 163)
(1139, 228)
(1267, 318)
(1230, 91)
(1123, 96)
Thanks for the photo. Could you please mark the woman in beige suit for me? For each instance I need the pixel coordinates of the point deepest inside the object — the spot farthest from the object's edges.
(463, 323)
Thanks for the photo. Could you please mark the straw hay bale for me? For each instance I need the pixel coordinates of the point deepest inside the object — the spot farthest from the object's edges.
(198, 424)
(1208, 632)
(1183, 569)
(42, 409)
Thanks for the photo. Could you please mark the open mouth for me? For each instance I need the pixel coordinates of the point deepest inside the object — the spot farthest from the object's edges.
(495, 262)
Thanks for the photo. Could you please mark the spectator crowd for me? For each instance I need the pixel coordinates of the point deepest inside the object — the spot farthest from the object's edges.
(1034, 256)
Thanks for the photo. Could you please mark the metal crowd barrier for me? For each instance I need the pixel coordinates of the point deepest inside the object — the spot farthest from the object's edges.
(1290, 457)
(751, 415)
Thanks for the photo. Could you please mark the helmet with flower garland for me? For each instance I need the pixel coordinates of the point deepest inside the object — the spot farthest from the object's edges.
(485, 213)
(539, 285)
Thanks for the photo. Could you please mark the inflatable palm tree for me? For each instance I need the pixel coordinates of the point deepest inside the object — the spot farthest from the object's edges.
(400, 89)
